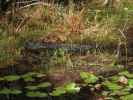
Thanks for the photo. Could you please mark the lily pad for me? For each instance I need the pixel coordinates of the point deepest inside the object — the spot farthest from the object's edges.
(112, 86)
(44, 85)
(12, 78)
(30, 74)
(127, 97)
(127, 74)
(16, 91)
(58, 91)
(7, 91)
(130, 83)
(37, 94)
(67, 88)
(1, 79)
(114, 78)
(32, 87)
(88, 77)
(72, 88)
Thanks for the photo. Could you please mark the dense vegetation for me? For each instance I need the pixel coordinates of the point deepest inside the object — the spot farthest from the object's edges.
(67, 50)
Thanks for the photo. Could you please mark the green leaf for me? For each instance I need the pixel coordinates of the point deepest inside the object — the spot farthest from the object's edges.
(127, 74)
(12, 78)
(38, 94)
(30, 74)
(41, 85)
(118, 93)
(5, 91)
(67, 88)
(127, 97)
(44, 85)
(71, 88)
(32, 87)
(88, 77)
(114, 78)
(10, 91)
(28, 79)
(130, 83)
(112, 86)
(58, 91)
(1, 79)
(15, 91)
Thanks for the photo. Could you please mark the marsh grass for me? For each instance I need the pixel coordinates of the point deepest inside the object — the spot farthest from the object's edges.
(89, 24)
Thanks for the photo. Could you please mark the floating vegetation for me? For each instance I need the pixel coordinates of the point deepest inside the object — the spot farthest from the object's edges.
(44, 85)
(31, 87)
(12, 91)
(31, 76)
(39, 86)
(126, 73)
(130, 83)
(109, 87)
(1, 78)
(58, 91)
(36, 94)
(71, 88)
(11, 78)
(112, 86)
(28, 79)
(127, 97)
(88, 77)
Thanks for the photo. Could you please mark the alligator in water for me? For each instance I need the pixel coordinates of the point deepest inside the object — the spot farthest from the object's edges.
(35, 46)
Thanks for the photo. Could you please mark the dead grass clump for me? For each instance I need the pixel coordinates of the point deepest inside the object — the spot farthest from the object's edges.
(72, 26)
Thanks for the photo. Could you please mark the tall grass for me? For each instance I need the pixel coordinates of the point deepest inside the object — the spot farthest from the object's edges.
(92, 22)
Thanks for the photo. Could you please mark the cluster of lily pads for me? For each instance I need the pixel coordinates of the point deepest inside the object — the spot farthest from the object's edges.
(113, 88)
(33, 88)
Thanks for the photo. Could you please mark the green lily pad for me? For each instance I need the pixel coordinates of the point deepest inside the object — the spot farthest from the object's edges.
(127, 97)
(67, 88)
(37, 94)
(118, 93)
(32, 87)
(30, 74)
(112, 86)
(41, 85)
(88, 77)
(58, 91)
(127, 74)
(7, 91)
(71, 88)
(1, 79)
(44, 85)
(12, 78)
(28, 79)
(115, 78)
(130, 83)
(16, 91)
